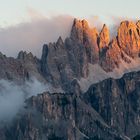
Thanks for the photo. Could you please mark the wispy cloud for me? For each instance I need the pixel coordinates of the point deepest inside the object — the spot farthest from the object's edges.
(12, 96)
(95, 21)
(30, 36)
(33, 14)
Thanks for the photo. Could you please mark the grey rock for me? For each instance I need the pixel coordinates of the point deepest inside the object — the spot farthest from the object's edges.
(117, 101)
(20, 69)
(59, 116)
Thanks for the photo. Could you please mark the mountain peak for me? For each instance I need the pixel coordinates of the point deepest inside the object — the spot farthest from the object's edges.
(78, 27)
(23, 55)
(104, 37)
(2, 55)
(59, 41)
(85, 23)
(138, 24)
(128, 37)
(78, 22)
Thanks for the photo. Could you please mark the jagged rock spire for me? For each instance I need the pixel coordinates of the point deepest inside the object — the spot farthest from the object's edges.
(78, 28)
(60, 42)
(23, 55)
(128, 38)
(104, 37)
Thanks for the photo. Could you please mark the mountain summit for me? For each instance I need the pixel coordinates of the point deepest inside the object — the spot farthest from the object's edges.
(78, 55)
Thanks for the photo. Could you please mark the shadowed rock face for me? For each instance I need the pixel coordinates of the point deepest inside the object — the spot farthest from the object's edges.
(109, 110)
(20, 69)
(111, 58)
(136, 137)
(59, 116)
(118, 102)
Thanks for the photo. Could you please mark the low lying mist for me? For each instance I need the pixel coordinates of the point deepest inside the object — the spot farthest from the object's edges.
(12, 96)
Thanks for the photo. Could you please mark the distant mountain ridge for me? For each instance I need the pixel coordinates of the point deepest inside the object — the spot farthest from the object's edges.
(64, 61)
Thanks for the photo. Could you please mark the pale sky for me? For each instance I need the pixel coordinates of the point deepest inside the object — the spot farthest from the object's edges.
(28, 24)
(17, 11)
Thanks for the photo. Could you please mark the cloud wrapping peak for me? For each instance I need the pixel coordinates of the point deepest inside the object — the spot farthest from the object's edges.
(31, 36)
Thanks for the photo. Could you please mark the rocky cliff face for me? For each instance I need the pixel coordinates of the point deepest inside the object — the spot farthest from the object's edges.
(24, 67)
(118, 102)
(59, 116)
(128, 38)
(86, 46)
(109, 110)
